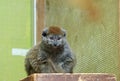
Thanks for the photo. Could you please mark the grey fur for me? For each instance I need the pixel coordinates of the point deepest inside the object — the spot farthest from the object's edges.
(51, 55)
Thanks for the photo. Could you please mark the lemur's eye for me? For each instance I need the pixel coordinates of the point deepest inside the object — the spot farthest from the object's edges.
(51, 38)
(58, 38)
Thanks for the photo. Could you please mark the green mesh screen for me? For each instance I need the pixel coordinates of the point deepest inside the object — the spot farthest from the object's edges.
(93, 36)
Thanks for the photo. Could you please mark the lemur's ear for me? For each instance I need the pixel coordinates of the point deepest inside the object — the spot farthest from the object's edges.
(64, 32)
(45, 32)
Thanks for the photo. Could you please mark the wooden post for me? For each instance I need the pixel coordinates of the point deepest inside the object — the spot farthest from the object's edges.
(40, 19)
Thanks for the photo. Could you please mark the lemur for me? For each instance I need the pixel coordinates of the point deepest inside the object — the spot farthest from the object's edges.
(52, 55)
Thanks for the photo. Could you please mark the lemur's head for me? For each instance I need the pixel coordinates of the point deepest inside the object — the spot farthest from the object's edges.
(54, 36)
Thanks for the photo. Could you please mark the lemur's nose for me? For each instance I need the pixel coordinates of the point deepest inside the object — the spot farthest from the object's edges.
(55, 44)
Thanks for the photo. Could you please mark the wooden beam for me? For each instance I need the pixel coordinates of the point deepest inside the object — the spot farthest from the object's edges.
(71, 77)
(40, 18)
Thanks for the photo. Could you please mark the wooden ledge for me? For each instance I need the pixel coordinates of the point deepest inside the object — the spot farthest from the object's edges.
(70, 77)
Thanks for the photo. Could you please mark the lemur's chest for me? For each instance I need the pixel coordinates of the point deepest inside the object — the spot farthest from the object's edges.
(57, 58)
(55, 55)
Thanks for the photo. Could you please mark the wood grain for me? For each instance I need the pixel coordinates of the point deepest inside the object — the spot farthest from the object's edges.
(40, 19)
(71, 77)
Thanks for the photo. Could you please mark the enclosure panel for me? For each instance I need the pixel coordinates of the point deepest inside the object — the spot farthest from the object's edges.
(16, 24)
(92, 31)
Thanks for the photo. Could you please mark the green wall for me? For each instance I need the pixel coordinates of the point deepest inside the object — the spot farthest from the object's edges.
(15, 32)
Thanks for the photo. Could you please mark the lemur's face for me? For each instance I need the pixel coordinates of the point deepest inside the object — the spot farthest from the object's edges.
(53, 39)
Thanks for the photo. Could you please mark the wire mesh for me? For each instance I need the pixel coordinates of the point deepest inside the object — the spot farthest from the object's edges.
(93, 38)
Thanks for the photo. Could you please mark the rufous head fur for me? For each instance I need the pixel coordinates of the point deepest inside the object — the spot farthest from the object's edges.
(54, 30)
